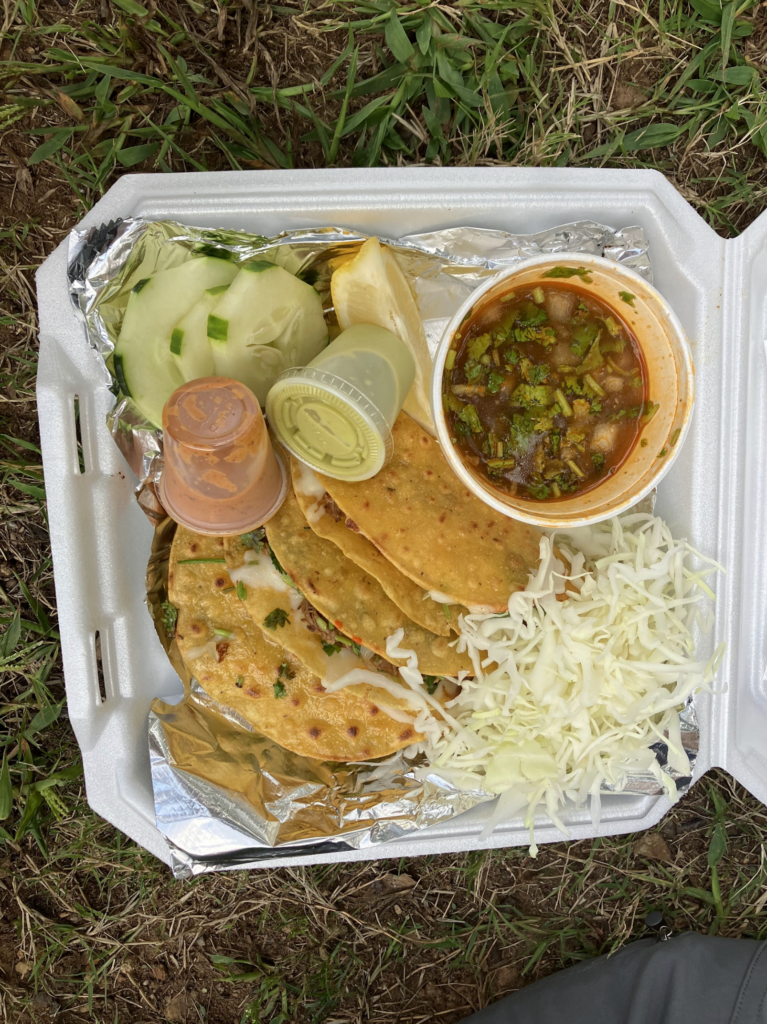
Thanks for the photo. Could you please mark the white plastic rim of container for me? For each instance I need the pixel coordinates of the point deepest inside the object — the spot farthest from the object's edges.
(716, 496)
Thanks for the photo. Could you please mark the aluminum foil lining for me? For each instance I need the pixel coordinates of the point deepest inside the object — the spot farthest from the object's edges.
(226, 797)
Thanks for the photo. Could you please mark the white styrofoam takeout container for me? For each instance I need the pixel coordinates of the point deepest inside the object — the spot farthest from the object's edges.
(716, 495)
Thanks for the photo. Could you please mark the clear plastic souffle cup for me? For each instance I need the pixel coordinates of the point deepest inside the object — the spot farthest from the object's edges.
(336, 414)
(222, 476)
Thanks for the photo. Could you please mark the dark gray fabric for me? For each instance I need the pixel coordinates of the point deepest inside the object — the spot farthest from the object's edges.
(691, 979)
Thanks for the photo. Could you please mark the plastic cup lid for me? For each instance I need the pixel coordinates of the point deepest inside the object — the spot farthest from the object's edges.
(328, 424)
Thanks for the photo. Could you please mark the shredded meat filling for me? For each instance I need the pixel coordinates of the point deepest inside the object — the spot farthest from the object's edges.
(383, 665)
(310, 616)
(330, 508)
(331, 635)
(352, 525)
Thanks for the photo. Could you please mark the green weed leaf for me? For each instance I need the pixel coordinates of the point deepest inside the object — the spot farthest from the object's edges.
(10, 638)
(52, 145)
(742, 75)
(131, 7)
(45, 717)
(728, 18)
(717, 846)
(651, 136)
(397, 40)
(136, 154)
(709, 10)
(6, 790)
(423, 35)
(30, 489)
(28, 818)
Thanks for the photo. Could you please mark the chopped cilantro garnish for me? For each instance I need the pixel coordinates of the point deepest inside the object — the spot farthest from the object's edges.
(533, 395)
(242, 592)
(279, 689)
(572, 386)
(584, 337)
(330, 649)
(663, 452)
(494, 382)
(627, 297)
(612, 326)
(473, 371)
(581, 272)
(276, 619)
(254, 540)
(596, 405)
(649, 410)
(599, 461)
(537, 374)
(285, 671)
(477, 347)
(453, 403)
(643, 442)
(545, 336)
(530, 315)
(462, 429)
(470, 417)
(521, 431)
(593, 360)
(280, 570)
(613, 343)
(430, 683)
(555, 439)
(169, 617)
(511, 355)
(202, 561)
(539, 491)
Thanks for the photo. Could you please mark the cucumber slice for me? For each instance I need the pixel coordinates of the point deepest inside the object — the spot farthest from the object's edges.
(189, 343)
(267, 321)
(148, 370)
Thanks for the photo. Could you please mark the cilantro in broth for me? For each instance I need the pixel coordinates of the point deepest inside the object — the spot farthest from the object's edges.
(553, 412)
(494, 382)
(470, 417)
(566, 272)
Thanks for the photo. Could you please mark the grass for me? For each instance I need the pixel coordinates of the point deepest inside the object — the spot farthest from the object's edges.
(92, 928)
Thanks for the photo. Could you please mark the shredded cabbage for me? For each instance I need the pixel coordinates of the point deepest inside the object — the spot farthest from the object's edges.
(571, 693)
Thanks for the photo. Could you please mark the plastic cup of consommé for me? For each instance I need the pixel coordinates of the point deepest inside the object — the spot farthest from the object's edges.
(591, 440)
(336, 414)
(222, 476)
